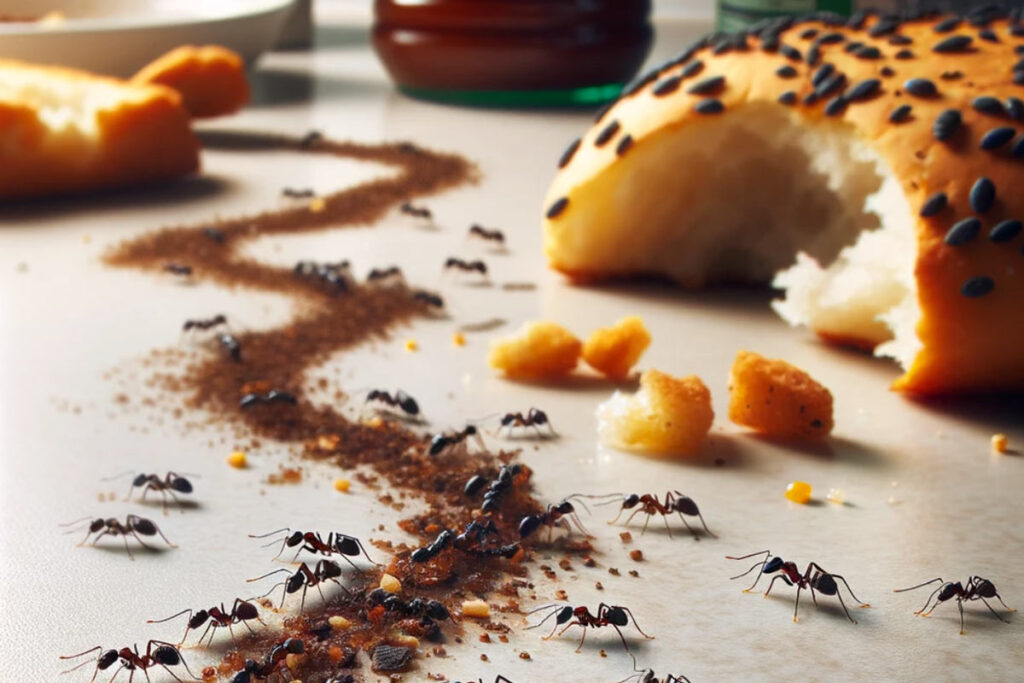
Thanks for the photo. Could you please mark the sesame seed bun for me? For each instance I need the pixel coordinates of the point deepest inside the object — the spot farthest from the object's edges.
(884, 156)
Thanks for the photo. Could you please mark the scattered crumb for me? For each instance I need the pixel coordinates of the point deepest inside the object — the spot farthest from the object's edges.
(317, 205)
(773, 397)
(285, 475)
(613, 571)
(390, 584)
(524, 655)
(634, 573)
(837, 496)
(539, 350)
(560, 594)
(339, 623)
(603, 653)
(459, 339)
(598, 585)
(636, 555)
(411, 345)
(476, 608)
(485, 638)
(342, 485)
(238, 460)
(483, 657)
(798, 492)
(564, 564)
(503, 638)
(1000, 442)
(613, 351)
(588, 561)
(626, 537)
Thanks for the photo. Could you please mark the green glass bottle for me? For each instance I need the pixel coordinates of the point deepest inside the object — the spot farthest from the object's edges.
(736, 15)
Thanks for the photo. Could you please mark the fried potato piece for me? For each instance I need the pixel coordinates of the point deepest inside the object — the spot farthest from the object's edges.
(613, 351)
(211, 79)
(668, 416)
(540, 350)
(776, 398)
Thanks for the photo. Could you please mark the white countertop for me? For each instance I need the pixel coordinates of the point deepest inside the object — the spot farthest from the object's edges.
(926, 496)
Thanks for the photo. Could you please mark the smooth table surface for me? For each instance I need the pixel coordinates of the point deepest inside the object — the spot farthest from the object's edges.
(926, 497)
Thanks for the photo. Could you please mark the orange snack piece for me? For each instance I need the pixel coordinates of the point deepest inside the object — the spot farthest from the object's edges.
(540, 350)
(668, 416)
(775, 398)
(613, 351)
(211, 79)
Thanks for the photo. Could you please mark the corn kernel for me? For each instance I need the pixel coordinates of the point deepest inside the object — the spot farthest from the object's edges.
(390, 583)
(339, 623)
(411, 345)
(999, 443)
(238, 460)
(459, 339)
(476, 608)
(798, 491)
(294, 662)
(342, 485)
(837, 496)
(317, 205)
(403, 640)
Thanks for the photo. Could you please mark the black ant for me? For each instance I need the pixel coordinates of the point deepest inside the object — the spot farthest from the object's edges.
(471, 541)
(170, 484)
(432, 549)
(158, 653)
(977, 588)
(499, 486)
(488, 235)
(441, 442)
(814, 578)
(241, 613)
(178, 269)
(534, 418)
(383, 274)
(214, 234)
(254, 670)
(231, 347)
(272, 396)
(648, 676)
(336, 275)
(615, 616)
(304, 577)
(401, 400)
(476, 266)
(292, 193)
(310, 138)
(132, 526)
(337, 544)
(650, 505)
(416, 211)
(552, 515)
(208, 323)
(431, 610)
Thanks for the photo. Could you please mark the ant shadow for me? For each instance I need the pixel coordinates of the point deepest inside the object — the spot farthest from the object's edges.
(827, 605)
(136, 549)
(578, 382)
(180, 505)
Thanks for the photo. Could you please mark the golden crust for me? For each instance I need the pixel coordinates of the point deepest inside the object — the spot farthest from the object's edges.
(968, 343)
(778, 399)
(613, 351)
(540, 350)
(211, 79)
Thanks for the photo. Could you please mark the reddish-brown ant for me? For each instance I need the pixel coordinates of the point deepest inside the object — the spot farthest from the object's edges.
(242, 612)
(272, 396)
(534, 418)
(650, 506)
(476, 266)
(254, 670)
(813, 578)
(471, 541)
(170, 484)
(442, 442)
(178, 269)
(558, 514)
(384, 275)
(977, 588)
(429, 298)
(158, 653)
(488, 235)
(205, 324)
(401, 400)
(337, 543)
(416, 211)
(304, 577)
(615, 616)
(310, 139)
(132, 526)
(648, 676)
(417, 607)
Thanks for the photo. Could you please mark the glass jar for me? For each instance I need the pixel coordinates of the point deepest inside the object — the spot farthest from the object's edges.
(512, 52)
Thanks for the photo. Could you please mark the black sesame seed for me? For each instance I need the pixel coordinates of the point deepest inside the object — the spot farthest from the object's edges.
(983, 194)
(692, 69)
(1018, 77)
(606, 134)
(1015, 108)
(823, 72)
(883, 26)
(1018, 148)
(1019, 66)
(887, 71)
(666, 86)
(830, 85)
(831, 39)
(900, 40)
(934, 204)
(788, 97)
(790, 52)
(946, 124)
(709, 105)
(1017, 30)
(1005, 231)
(900, 113)
(953, 44)
(864, 90)
(707, 86)
(1019, 49)
(853, 47)
(602, 111)
(558, 207)
(869, 52)
(977, 286)
(624, 144)
(836, 106)
(951, 75)
(946, 25)
(808, 33)
(814, 54)
(569, 153)
(988, 105)
(904, 54)
(857, 19)
(722, 47)
(963, 232)
(921, 87)
(770, 43)
(997, 137)
(989, 35)
(810, 98)
(786, 71)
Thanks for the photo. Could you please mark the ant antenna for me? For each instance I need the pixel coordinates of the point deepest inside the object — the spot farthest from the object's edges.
(80, 654)
(173, 616)
(73, 524)
(920, 585)
(578, 498)
(270, 533)
(118, 476)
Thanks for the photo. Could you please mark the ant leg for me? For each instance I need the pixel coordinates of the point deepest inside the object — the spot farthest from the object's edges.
(635, 625)
(840, 596)
(796, 605)
(927, 602)
(583, 639)
(321, 591)
(852, 595)
(205, 631)
(1008, 608)
(1005, 621)
(664, 518)
(960, 604)
(624, 644)
(124, 537)
(231, 631)
(772, 583)
(630, 518)
(611, 522)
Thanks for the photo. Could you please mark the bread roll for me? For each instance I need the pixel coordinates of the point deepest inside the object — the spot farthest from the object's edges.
(884, 156)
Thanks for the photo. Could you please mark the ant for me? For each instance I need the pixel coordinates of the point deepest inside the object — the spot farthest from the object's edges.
(158, 653)
(208, 323)
(441, 442)
(470, 541)
(476, 266)
(383, 274)
(534, 418)
(254, 670)
(814, 578)
(304, 577)
(416, 211)
(272, 396)
(241, 613)
(171, 483)
(310, 138)
(429, 298)
(178, 269)
(133, 525)
(648, 676)
(488, 235)
(337, 544)
(977, 588)
(401, 400)
(498, 487)
(432, 549)
(231, 346)
(429, 610)
(214, 234)
(337, 275)
(552, 515)
(650, 506)
(615, 616)
(292, 193)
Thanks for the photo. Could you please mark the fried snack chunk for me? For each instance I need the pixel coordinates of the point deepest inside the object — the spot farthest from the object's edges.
(540, 350)
(778, 399)
(668, 416)
(613, 351)
(210, 79)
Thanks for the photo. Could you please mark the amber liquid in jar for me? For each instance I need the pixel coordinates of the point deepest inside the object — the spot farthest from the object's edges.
(513, 52)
